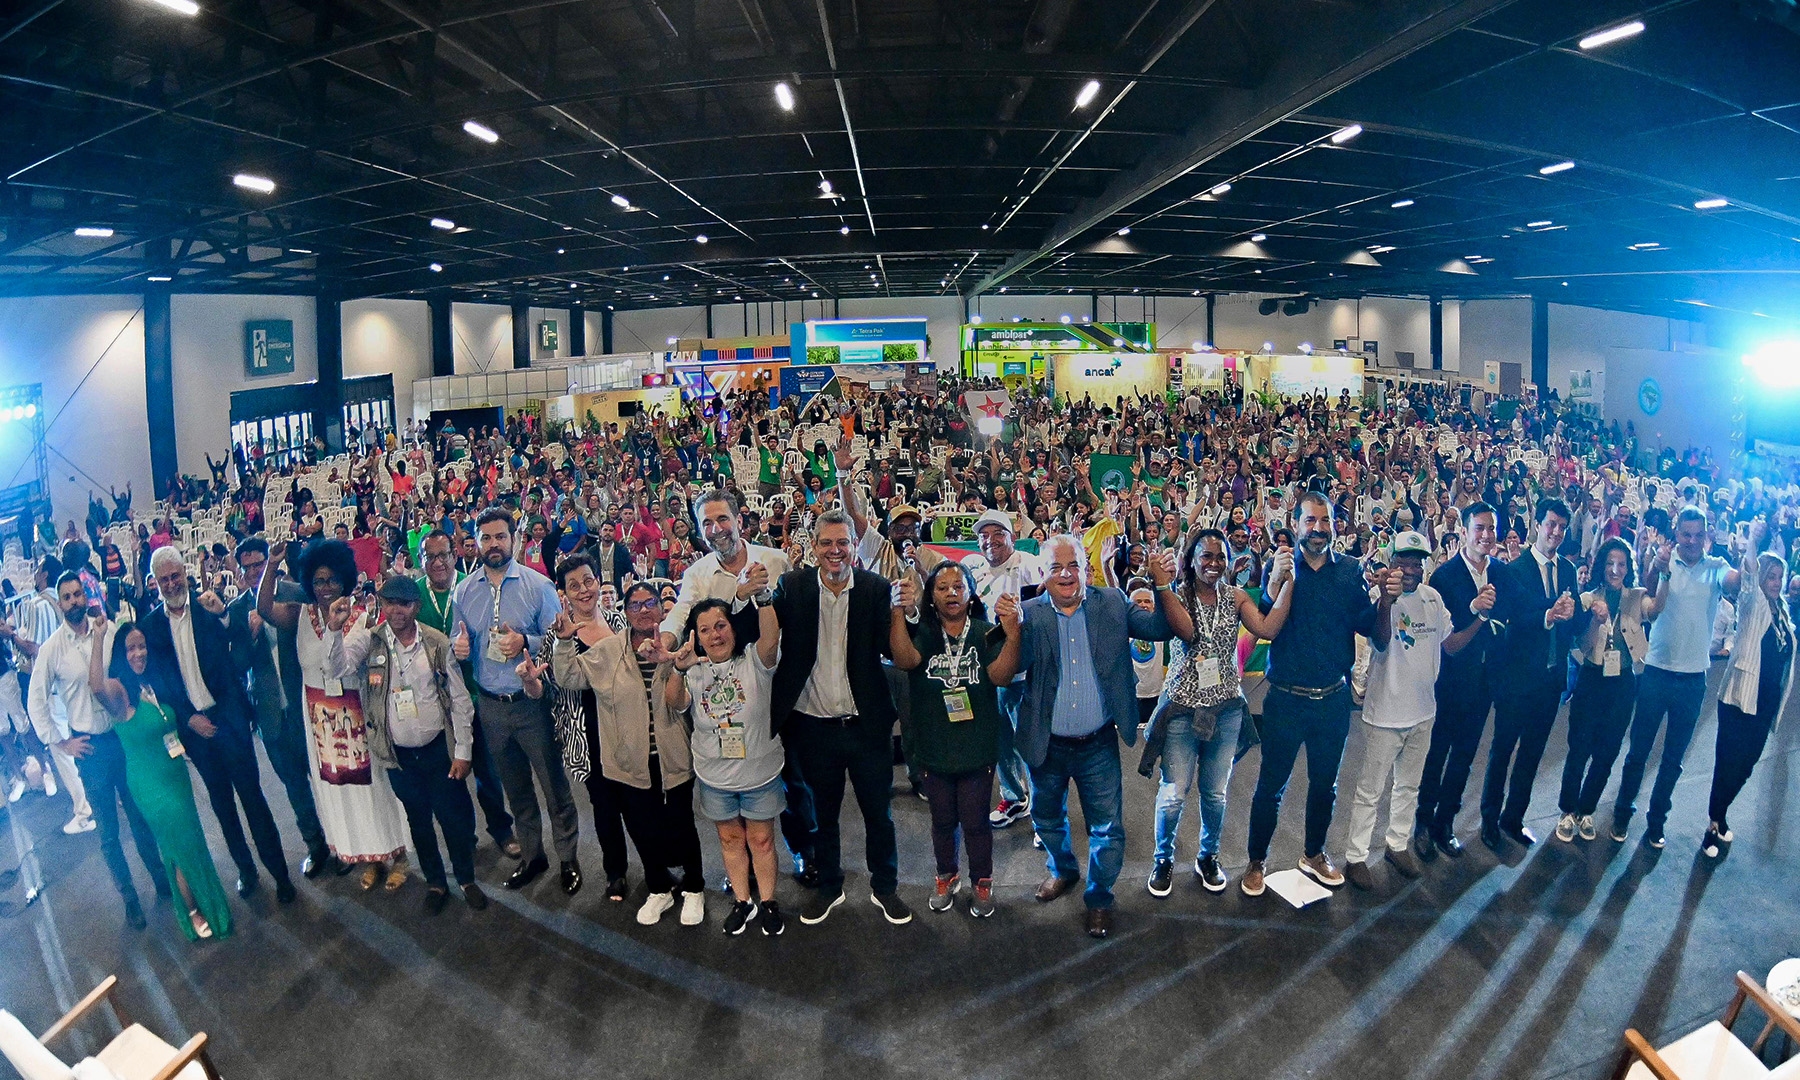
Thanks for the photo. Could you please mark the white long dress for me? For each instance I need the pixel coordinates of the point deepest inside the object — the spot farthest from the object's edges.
(362, 818)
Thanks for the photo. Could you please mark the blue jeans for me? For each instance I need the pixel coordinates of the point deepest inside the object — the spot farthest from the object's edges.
(1186, 759)
(1677, 695)
(1093, 765)
(1011, 768)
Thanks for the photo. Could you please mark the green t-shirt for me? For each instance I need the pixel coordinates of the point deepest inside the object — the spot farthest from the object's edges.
(933, 742)
(771, 466)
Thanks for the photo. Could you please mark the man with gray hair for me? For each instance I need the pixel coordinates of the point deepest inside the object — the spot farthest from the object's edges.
(1072, 642)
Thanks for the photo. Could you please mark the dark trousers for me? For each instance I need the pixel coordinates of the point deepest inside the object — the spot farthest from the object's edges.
(661, 824)
(800, 819)
(1456, 735)
(103, 774)
(286, 747)
(525, 746)
(1599, 713)
(960, 800)
(609, 822)
(1290, 722)
(227, 766)
(1742, 737)
(1660, 693)
(826, 754)
(488, 791)
(1524, 713)
(423, 785)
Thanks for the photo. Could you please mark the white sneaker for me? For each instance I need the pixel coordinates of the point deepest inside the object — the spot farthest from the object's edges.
(693, 908)
(77, 826)
(1586, 829)
(50, 783)
(654, 906)
(17, 792)
(1565, 828)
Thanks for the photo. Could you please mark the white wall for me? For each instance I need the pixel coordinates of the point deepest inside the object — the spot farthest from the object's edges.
(481, 337)
(207, 332)
(651, 329)
(389, 337)
(1584, 338)
(99, 429)
(596, 337)
(1495, 330)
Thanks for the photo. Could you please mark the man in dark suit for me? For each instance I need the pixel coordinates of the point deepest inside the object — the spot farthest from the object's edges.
(1465, 685)
(831, 707)
(613, 557)
(267, 655)
(195, 678)
(1537, 604)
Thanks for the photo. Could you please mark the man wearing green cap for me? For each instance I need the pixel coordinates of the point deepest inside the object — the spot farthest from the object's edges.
(420, 725)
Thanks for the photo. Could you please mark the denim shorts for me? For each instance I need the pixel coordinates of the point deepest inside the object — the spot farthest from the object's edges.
(758, 804)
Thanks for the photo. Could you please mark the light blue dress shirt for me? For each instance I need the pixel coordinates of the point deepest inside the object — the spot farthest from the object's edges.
(1079, 710)
(1681, 636)
(528, 604)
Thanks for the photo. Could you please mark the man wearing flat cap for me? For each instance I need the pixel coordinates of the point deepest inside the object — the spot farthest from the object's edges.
(421, 728)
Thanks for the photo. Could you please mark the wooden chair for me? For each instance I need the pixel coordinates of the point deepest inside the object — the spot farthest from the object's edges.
(135, 1054)
(1712, 1052)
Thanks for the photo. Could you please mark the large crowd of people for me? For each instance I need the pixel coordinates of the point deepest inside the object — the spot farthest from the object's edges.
(739, 612)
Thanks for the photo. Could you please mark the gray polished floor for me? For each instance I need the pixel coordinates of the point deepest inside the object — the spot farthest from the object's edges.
(1527, 967)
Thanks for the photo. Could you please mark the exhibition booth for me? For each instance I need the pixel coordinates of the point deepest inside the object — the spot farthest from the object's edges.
(1332, 374)
(710, 367)
(1019, 352)
(859, 341)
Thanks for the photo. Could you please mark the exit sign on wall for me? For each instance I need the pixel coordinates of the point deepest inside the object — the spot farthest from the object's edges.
(268, 347)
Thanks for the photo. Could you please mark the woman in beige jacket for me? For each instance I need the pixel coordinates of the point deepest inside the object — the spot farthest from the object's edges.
(1609, 655)
(643, 750)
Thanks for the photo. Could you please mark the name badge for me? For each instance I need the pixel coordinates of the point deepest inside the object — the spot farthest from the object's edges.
(172, 743)
(334, 687)
(731, 742)
(494, 652)
(1207, 674)
(956, 705)
(1613, 663)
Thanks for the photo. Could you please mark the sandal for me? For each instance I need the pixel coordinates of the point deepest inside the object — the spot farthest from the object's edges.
(396, 877)
(371, 873)
(202, 929)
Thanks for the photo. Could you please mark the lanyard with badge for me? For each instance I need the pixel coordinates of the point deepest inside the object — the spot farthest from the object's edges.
(1206, 668)
(172, 737)
(406, 702)
(1612, 663)
(495, 653)
(956, 699)
(732, 745)
(334, 687)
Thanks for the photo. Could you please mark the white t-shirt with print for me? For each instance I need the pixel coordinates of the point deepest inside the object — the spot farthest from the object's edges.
(734, 693)
(1403, 676)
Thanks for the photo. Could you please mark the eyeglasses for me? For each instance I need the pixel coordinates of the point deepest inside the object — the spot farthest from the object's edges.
(437, 556)
(643, 605)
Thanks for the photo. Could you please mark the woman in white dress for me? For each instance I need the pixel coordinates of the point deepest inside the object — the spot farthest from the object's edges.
(358, 810)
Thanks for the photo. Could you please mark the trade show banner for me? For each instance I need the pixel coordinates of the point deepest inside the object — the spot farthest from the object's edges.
(1019, 352)
(858, 341)
(1105, 377)
(1201, 370)
(1293, 376)
(807, 383)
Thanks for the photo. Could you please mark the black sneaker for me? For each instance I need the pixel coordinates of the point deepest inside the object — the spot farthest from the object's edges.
(1211, 877)
(771, 921)
(1161, 877)
(739, 919)
(893, 909)
(1654, 837)
(820, 905)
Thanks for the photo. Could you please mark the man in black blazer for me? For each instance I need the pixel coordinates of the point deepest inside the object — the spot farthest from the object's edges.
(831, 706)
(267, 655)
(191, 669)
(613, 557)
(1537, 603)
(1465, 684)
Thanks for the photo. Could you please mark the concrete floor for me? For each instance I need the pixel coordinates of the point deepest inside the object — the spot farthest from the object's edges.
(1528, 967)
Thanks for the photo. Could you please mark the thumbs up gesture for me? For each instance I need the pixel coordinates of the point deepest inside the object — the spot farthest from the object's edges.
(461, 645)
(512, 643)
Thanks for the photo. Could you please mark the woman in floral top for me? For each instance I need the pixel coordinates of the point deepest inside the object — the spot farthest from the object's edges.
(1196, 725)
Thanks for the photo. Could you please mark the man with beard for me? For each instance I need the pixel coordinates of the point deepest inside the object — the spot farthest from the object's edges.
(1309, 693)
(613, 557)
(500, 613)
(62, 673)
(190, 668)
(738, 571)
(438, 611)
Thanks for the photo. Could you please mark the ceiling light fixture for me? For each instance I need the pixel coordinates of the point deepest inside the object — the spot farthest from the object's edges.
(1552, 170)
(700, 238)
(1711, 204)
(160, 277)
(784, 96)
(1219, 189)
(1536, 224)
(300, 251)
(844, 230)
(260, 184)
(1126, 231)
(1381, 249)
(1612, 34)
(560, 251)
(1400, 204)
(1257, 238)
(1088, 93)
(825, 187)
(437, 268)
(443, 223)
(621, 202)
(1345, 134)
(185, 7)
(481, 131)
(98, 232)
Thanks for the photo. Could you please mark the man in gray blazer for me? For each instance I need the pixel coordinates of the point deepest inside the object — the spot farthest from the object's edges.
(1074, 644)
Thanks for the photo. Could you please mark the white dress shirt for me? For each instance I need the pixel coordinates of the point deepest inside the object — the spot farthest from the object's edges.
(827, 690)
(61, 676)
(181, 629)
(707, 579)
(345, 654)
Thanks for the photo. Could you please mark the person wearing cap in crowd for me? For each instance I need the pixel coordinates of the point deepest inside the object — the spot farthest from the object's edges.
(420, 724)
(1399, 707)
(1001, 569)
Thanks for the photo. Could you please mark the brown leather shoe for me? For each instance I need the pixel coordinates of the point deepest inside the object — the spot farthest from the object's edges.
(1252, 881)
(1099, 922)
(1054, 887)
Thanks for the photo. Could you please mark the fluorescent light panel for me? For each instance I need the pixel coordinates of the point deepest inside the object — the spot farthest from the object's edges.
(784, 96)
(1536, 224)
(98, 232)
(185, 7)
(1401, 204)
(1087, 94)
(1612, 34)
(481, 131)
(621, 202)
(1552, 170)
(262, 185)
(1344, 135)
(1711, 204)
(1257, 238)
(443, 223)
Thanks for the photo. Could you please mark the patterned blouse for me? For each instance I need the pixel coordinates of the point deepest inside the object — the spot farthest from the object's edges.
(1216, 637)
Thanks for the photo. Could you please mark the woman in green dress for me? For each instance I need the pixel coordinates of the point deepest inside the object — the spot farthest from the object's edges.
(156, 772)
